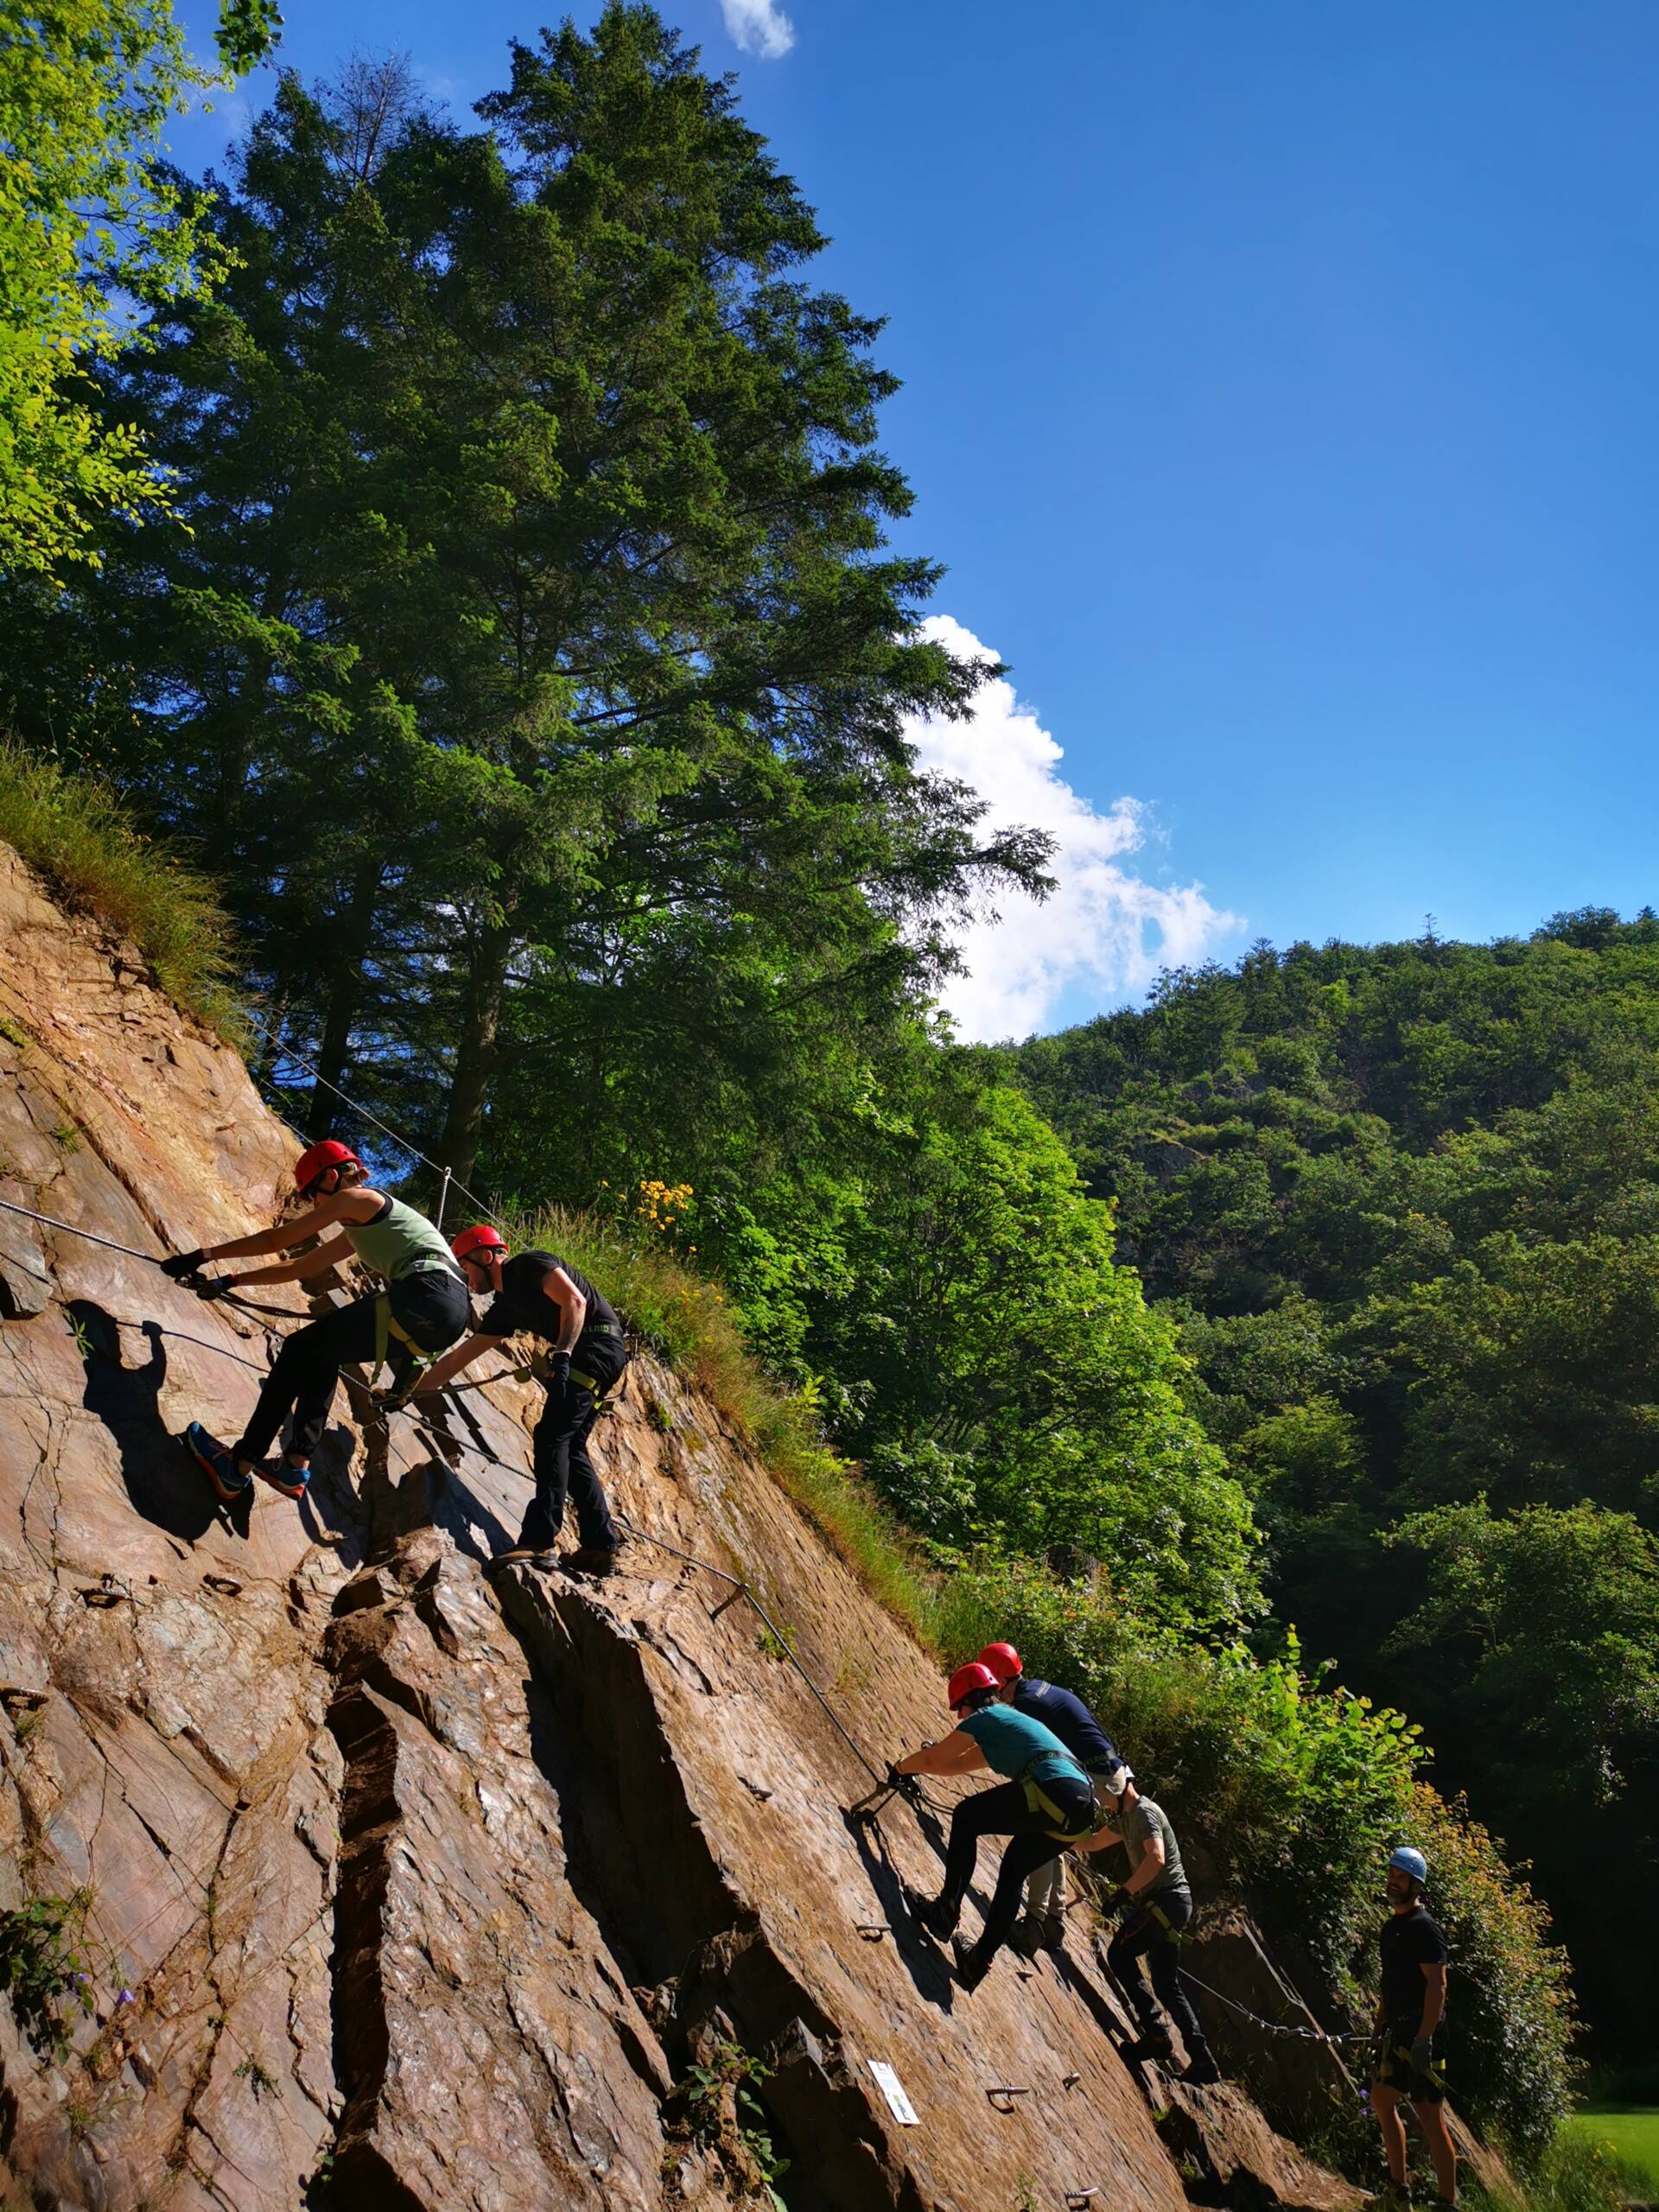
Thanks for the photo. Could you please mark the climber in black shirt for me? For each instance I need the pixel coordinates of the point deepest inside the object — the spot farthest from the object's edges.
(540, 1293)
(1410, 2007)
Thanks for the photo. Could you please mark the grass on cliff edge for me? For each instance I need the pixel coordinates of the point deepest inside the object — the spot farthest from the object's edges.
(687, 1318)
(76, 835)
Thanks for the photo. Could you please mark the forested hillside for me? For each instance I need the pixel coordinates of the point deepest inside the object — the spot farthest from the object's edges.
(1402, 1202)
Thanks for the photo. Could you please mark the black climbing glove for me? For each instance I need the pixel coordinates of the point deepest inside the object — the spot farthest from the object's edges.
(182, 1265)
(558, 1367)
(1120, 1905)
(220, 1287)
(1422, 2053)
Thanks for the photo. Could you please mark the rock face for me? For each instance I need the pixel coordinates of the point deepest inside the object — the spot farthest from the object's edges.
(394, 1889)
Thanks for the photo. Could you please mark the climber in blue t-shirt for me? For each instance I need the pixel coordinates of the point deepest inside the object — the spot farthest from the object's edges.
(1062, 1710)
(1047, 1799)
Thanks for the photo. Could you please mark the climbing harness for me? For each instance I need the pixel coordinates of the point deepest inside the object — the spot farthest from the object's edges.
(1066, 1828)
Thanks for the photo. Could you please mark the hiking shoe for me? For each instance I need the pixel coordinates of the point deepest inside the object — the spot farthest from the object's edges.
(1053, 1926)
(523, 1555)
(1153, 2047)
(1028, 1937)
(1201, 2069)
(934, 1914)
(972, 1965)
(293, 1482)
(592, 1559)
(218, 1463)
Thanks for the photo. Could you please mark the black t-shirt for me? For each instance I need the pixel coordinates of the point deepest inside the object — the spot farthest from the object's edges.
(1411, 1941)
(1070, 1719)
(522, 1303)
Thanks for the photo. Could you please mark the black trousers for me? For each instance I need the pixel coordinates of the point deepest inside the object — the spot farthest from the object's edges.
(563, 1470)
(432, 1306)
(1003, 1811)
(1151, 1933)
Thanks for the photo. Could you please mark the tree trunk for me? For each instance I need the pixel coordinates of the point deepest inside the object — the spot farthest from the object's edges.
(345, 997)
(476, 1047)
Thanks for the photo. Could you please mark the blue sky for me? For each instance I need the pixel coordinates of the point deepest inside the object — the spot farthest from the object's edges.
(1279, 387)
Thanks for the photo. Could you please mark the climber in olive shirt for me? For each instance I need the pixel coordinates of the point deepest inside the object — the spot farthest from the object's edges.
(1156, 1905)
(540, 1294)
(1047, 1800)
(422, 1309)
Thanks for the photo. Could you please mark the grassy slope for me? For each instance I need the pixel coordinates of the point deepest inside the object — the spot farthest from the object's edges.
(1632, 2134)
(688, 1318)
(76, 836)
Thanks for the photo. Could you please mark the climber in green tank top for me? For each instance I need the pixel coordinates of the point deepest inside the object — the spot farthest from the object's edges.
(422, 1310)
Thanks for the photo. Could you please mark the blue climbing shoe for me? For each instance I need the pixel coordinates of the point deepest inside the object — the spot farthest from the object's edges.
(217, 1463)
(293, 1482)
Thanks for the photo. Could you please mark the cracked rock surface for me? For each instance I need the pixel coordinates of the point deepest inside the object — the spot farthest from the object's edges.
(395, 1888)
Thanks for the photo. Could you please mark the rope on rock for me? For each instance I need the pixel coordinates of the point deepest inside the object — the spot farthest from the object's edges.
(68, 1226)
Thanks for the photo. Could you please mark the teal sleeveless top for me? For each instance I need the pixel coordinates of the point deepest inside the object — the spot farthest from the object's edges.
(1016, 1744)
(399, 1242)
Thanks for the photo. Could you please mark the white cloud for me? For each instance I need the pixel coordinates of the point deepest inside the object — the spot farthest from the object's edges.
(759, 27)
(1100, 927)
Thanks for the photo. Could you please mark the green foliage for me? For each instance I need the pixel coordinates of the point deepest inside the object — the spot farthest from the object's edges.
(1575, 2173)
(718, 2098)
(688, 1319)
(40, 1968)
(93, 232)
(259, 2079)
(1629, 2136)
(952, 1298)
(75, 833)
(1402, 1201)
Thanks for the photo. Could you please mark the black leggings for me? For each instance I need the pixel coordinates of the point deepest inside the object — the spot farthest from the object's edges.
(1031, 1842)
(1151, 1932)
(433, 1305)
(559, 1449)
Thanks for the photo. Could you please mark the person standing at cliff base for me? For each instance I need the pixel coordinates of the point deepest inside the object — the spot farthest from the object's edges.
(423, 1309)
(1069, 1719)
(1046, 1800)
(1410, 2007)
(540, 1294)
(1155, 1906)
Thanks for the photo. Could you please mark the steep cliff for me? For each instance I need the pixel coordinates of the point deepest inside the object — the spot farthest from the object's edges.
(395, 1890)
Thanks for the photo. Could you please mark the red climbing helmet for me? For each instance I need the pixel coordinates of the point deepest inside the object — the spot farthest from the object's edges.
(481, 1238)
(1003, 1661)
(966, 1681)
(314, 1163)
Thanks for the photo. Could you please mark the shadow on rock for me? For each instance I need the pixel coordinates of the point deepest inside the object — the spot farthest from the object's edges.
(922, 1960)
(465, 1519)
(163, 1483)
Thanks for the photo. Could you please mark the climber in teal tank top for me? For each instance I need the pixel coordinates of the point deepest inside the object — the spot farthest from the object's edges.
(422, 1310)
(1048, 1799)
